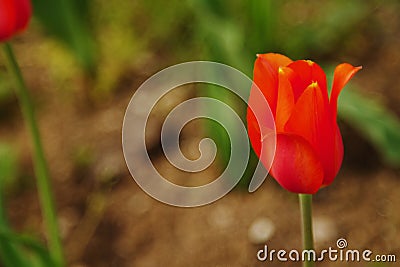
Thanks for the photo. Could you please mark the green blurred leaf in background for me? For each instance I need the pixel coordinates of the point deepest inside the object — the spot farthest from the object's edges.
(68, 20)
(8, 166)
(373, 121)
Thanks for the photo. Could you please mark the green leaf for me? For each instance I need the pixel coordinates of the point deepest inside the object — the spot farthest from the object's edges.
(374, 121)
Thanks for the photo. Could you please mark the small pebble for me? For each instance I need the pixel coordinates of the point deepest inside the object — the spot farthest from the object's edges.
(221, 217)
(261, 230)
(68, 218)
(324, 229)
(139, 203)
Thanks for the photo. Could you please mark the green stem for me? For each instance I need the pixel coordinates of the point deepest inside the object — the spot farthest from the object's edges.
(306, 222)
(40, 165)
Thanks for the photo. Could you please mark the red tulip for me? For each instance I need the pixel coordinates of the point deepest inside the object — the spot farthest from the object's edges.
(14, 17)
(309, 147)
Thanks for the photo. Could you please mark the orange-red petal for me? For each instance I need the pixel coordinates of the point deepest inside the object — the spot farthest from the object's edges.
(311, 119)
(343, 73)
(309, 72)
(336, 159)
(7, 19)
(285, 101)
(254, 131)
(14, 17)
(259, 118)
(24, 11)
(266, 75)
(296, 166)
(275, 60)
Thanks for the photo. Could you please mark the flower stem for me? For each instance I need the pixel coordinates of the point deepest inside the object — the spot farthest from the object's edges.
(40, 165)
(306, 222)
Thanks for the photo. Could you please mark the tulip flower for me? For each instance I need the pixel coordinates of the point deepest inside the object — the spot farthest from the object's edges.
(309, 147)
(14, 17)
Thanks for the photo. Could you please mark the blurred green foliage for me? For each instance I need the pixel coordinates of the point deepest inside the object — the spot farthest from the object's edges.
(16, 249)
(322, 30)
(373, 121)
(68, 21)
(5, 91)
(8, 166)
(22, 250)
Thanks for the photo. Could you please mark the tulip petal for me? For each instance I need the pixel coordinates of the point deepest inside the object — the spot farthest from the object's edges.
(285, 103)
(343, 73)
(260, 121)
(266, 78)
(7, 19)
(296, 166)
(275, 60)
(253, 130)
(309, 72)
(311, 119)
(309, 115)
(266, 75)
(24, 13)
(337, 157)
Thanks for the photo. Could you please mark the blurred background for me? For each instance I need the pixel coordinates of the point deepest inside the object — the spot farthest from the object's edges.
(84, 59)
